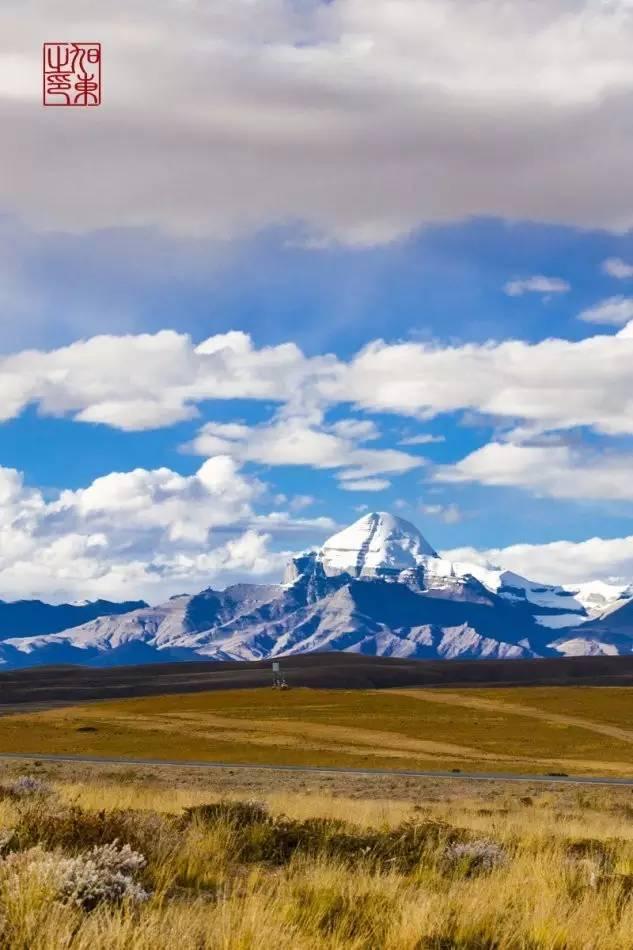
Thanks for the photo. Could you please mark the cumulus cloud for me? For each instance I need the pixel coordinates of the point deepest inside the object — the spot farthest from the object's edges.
(616, 311)
(298, 440)
(536, 285)
(141, 534)
(616, 267)
(449, 514)
(559, 562)
(151, 380)
(186, 508)
(146, 381)
(362, 120)
(155, 533)
(549, 385)
(556, 471)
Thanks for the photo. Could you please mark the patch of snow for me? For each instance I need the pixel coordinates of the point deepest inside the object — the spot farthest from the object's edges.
(579, 646)
(599, 598)
(376, 542)
(559, 621)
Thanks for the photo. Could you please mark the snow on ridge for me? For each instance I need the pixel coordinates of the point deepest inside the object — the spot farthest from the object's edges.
(599, 597)
(463, 610)
(378, 541)
(582, 646)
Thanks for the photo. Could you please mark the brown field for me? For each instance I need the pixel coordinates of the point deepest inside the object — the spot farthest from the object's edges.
(577, 730)
(249, 859)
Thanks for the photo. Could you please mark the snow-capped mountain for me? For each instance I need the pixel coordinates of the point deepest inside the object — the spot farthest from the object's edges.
(377, 587)
(376, 545)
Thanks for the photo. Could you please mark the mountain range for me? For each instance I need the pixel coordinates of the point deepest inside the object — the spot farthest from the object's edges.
(375, 588)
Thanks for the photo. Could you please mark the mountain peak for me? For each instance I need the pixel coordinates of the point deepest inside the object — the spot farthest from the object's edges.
(337, 599)
(377, 542)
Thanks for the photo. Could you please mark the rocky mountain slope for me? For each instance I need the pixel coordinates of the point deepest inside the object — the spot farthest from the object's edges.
(34, 617)
(375, 588)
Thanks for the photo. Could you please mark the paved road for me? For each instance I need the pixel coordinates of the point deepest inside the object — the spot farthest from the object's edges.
(189, 764)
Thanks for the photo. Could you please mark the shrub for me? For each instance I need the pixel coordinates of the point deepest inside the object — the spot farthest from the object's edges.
(27, 787)
(474, 857)
(259, 836)
(75, 829)
(106, 874)
(7, 837)
(601, 852)
(239, 813)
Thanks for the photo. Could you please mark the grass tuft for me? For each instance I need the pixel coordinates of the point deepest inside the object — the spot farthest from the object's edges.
(309, 872)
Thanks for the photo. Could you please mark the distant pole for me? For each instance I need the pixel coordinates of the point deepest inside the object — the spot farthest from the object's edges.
(276, 675)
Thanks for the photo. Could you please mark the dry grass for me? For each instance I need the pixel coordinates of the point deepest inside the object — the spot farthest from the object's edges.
(328, 871)
(574, 730)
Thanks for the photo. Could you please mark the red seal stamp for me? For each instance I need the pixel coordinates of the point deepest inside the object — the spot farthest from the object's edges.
(72, 74)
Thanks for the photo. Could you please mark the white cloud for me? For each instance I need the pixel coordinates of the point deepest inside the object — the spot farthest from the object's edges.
(145, 381)
(616, 267)
(549, 385)
(449, 514)
(537, 285)
(151, 380)
(424, 439)
(246, 554)
(365, 484)
(363, 120)
(361, 430)
(286, 523)
(301, 440)
(299, 502)
(559, 562)
(141, 534)
(556, 471)
(186, 508)
(616, 311)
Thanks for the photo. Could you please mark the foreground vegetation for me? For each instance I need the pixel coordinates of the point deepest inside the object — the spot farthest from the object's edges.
(126, 863)
(551, 729)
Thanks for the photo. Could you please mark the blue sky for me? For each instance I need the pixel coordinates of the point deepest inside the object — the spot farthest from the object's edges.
(360, 253)
(442, 285)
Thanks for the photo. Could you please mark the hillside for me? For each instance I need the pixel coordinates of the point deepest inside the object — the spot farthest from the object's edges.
(320, 670)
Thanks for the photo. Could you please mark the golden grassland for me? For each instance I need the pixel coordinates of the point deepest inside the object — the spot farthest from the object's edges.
(577, 730)
(325, 871)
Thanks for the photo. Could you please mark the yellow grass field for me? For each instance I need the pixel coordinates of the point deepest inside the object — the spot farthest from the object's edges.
(576, 730)
(441, 866)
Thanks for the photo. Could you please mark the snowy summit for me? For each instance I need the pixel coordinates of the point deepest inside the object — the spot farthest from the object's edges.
(377, 588)
(378, 543)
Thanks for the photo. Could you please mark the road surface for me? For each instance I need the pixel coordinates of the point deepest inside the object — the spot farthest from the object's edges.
(192, 764)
